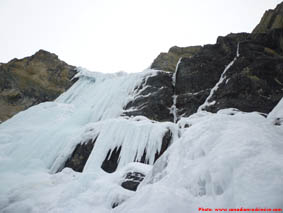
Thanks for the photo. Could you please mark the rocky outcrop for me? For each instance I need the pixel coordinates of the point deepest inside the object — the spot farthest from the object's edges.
(153, 98)
(272, 19)
(32, 80)
(168, 61)
(252, 83)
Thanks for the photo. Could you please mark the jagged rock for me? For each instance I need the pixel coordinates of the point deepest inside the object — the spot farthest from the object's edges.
(32, 80)
(272, 19)
(153, 98)
(168, 61)
(132, 180)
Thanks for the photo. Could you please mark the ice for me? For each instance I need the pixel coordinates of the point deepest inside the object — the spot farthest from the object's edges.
(174, 77)
(134, 136)
(173, 108)
(35, 143)
(43, 136)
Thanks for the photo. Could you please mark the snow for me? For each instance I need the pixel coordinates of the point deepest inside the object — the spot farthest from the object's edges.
(208, 102)
(228, 159)
(220, 161)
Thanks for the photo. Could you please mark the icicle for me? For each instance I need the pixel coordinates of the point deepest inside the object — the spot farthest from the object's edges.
(222, 78)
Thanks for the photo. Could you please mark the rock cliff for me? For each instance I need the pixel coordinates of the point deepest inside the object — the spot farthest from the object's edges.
(272, 19)
(203, 80)
(31, 80)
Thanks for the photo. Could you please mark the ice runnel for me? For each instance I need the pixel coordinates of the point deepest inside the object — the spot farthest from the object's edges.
(208, 102)
(173, 109)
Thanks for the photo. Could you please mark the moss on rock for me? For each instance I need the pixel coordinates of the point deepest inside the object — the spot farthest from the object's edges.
(32, 80)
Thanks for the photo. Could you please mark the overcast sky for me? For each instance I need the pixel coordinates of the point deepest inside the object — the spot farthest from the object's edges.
(115, 35)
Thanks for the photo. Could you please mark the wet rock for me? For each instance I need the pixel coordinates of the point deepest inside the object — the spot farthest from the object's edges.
(80, 156)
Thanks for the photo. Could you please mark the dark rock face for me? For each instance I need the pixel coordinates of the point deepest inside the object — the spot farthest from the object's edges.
(79, 156)
(32, 80)
(111, 161)
(132, 180)
(272, 19)
(153, 98)
(202, 71)
(253, 82)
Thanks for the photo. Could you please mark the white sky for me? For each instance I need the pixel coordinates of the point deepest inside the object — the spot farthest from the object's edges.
(115, 35)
